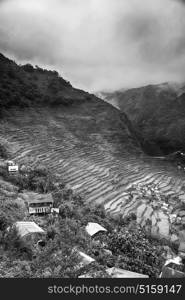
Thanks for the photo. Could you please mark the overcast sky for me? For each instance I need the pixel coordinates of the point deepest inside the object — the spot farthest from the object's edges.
(98, 44)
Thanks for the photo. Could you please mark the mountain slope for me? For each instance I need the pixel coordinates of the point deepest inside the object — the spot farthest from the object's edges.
(157, 112)
(25, 85)
(86, 141)
(35, 93)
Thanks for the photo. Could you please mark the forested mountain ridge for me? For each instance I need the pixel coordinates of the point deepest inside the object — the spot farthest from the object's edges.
(27, 85)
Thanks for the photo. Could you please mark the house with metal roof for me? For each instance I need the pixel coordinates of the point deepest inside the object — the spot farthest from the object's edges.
(83, 258)
(120, 273)
(13, 168)
(169, 272)
(27, 228)
(94, 228)
(173, 268)
(39, 203)
(29, 232)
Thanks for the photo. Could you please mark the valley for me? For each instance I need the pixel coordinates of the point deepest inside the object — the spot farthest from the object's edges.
(92, 147)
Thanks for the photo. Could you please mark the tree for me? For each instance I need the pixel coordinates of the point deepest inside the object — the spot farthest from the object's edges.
(4, 222)
(3, 152)
(28, 68)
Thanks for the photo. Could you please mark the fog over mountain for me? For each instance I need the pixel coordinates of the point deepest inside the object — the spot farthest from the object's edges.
(98, 44)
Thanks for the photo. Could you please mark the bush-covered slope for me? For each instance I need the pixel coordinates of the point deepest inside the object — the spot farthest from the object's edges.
(26, 85)
(124, 245)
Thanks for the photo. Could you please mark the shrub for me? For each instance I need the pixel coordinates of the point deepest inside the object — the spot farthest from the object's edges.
(16, 246)
(51, 232)
(137, 253)
(4, 221)
(10, 212)
(66, 210)
(28, 68)
(3, 152)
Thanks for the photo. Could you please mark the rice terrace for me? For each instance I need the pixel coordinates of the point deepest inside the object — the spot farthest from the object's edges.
(92, 170)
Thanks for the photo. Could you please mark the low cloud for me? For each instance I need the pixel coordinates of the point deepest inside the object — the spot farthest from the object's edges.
(98, 44)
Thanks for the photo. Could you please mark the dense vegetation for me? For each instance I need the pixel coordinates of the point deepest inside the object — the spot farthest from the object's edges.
(38, 179)
(26, 85)
(125, 245)
(157, 113)
(3, 152)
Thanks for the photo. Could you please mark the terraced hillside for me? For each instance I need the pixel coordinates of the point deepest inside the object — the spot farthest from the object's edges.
(87, 142)
(96, 159)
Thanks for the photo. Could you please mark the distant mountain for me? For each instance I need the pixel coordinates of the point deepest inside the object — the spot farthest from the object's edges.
(157, 113)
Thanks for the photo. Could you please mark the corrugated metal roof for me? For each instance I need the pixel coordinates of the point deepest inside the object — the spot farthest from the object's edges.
(120, 273)
(95, 274)
(32, 197)
(85, 259)
(176, 260)
(10, 162)
(85, 276)
(171, 273)
(93, 228)
(25, 228)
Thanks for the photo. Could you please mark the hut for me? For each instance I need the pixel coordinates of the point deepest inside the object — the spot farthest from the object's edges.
(120, 273)
(173, 268)
(39, 203)
(12, 167)
(29, 231)
(83, 258)
(171, 273)
(94, 228)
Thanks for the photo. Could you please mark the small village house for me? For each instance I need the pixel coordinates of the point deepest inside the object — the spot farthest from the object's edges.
(12, 167)
(29, 231)
(83, 258)
(39, 203)
(93, 228)
(120, 273)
